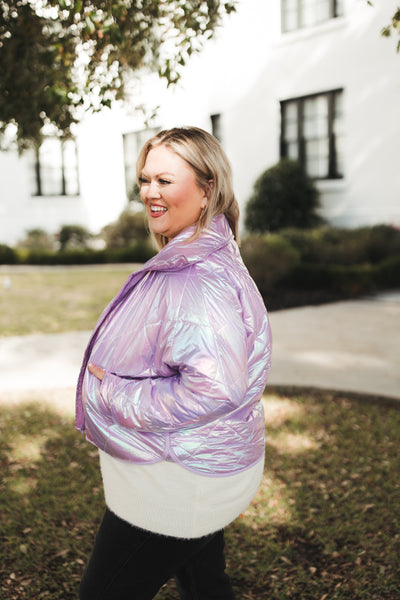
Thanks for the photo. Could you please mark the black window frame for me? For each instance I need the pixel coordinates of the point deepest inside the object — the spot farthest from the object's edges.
(40, 170)
(333, 171)
(334, 13)
(216, 126)
(136, 137)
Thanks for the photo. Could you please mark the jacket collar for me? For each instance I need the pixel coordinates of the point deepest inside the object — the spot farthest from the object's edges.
(179, 253)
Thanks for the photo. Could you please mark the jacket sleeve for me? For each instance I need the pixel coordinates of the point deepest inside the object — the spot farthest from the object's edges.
(208, 377)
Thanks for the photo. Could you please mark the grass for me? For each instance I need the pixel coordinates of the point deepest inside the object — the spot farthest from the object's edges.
(54, 300)
(325, 524)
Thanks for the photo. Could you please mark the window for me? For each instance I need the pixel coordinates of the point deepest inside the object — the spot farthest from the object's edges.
(56, 168)
(133, 143)
(297, 14)
(312, 133)
(216, 126)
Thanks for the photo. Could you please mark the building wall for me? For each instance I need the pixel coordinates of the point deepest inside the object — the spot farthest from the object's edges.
(243, 74)
(252, 66)
(101, 180)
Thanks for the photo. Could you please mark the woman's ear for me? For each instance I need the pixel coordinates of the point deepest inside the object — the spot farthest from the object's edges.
(208, 189)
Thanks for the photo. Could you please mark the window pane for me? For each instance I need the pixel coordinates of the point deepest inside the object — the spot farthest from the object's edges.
(133, 143)
(306, 13)
(317, 158)
(290, 15)
(216, 126)
(315, 133)
(291, 131)
(291, 124)
(339, 156)
(317, 167)
(130, 158)
(339, 8)
(338, 114)
(323, 10)
(316, 117)
(71, 168)
(50, 160)
(338, 132)
(292, 151)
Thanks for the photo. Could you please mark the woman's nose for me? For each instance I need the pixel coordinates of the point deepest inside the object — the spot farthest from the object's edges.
(153, 190)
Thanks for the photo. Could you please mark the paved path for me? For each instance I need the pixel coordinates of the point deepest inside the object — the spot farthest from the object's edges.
(348, 346)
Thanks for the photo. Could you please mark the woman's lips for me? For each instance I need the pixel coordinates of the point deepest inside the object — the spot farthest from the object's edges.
(157, 211)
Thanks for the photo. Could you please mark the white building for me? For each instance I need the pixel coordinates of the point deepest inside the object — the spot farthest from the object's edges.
(309, 79)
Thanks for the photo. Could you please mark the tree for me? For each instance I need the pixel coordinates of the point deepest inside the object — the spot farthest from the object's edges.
(59, 58)
(283, 196)
(393, 27)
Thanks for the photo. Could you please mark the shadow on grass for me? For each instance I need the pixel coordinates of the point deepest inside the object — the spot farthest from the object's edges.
(324, 525)
(51, 502)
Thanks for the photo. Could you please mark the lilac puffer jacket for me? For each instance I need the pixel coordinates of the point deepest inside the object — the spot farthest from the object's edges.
(186, 347)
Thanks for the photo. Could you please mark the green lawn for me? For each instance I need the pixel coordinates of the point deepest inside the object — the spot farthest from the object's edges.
(325, 524)
(53, 300)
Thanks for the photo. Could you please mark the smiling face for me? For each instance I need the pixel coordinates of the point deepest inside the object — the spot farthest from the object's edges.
(170, 192)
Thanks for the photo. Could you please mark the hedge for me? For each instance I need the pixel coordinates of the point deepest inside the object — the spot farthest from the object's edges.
(8, 256)
(330, 245)
(136, 253)
(300, 267)
(292, 268)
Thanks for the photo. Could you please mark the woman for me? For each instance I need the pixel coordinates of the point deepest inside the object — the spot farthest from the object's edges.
(170, 386)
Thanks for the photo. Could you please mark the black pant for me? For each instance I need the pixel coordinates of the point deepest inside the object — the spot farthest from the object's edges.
(128, 563)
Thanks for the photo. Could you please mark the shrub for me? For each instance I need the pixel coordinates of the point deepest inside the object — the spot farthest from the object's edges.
(386, 275)
(381, 242)
(136, 253)
(344, 281)
(8, 256)
(37, 239)
(283, 196)
(73, 237)
(329, 245)
(140, 252)
(297, 267)
(269, 259)
(130, 228)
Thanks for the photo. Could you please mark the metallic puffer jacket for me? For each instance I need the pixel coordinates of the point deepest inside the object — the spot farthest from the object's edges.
(186, 346)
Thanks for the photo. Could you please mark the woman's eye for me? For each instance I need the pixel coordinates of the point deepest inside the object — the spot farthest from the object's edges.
(164, 181)
(142, 180)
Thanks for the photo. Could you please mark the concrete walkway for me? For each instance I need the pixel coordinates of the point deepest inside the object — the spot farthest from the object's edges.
(346, 346)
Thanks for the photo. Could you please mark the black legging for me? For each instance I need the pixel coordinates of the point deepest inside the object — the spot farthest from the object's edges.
(128, 563)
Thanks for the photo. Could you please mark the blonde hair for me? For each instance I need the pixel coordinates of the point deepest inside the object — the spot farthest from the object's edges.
(204, 154)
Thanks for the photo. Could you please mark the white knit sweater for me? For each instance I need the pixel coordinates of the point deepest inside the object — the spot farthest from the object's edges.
(166, 498)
